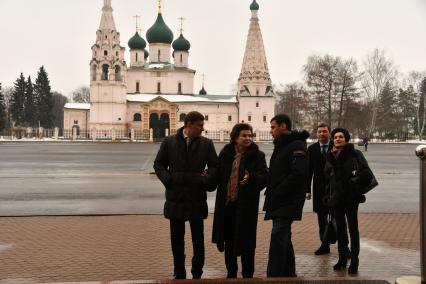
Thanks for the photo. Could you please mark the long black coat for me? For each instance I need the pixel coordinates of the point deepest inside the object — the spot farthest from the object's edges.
(340, 178)
(316, 178)
(247, 204)
(179, 168)
(288, 174)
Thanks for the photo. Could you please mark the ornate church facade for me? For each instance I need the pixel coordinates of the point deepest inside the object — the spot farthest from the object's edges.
(153, 94)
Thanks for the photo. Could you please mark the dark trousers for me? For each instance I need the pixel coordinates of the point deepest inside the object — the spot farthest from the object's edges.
(322, 222)
(177, 236)
(349, 213)
(247, 257)
(281, 261)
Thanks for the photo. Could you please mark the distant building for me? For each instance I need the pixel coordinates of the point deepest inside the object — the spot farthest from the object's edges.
(156, 90)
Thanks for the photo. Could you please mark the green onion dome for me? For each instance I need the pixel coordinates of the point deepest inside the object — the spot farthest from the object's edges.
(254, 6)
(137, 42)
(181, 44)
(159, 32)
(146, 53)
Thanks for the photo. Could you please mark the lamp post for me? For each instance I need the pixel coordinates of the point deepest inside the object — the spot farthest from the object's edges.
(421, 153)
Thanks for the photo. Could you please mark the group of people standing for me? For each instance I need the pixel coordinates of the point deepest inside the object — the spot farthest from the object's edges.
(188, 166)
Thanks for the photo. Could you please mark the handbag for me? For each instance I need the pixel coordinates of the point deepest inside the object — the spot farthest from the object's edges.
(371, 181)
(330, 232)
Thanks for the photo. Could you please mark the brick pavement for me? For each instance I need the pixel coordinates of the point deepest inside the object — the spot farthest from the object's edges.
(72, 249)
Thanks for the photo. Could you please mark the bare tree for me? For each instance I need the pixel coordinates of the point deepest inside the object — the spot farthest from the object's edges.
(347, 78)
(378, 71)
(293, 99)
(321, 76)
(59, 102)
(81, 95)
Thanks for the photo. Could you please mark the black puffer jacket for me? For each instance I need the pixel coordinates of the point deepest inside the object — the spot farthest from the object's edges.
(288, 174)
(180, 168)
(342, 182)
(247, 204)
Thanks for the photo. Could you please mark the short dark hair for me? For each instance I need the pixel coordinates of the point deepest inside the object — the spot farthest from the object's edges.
(322, 125)
(282, 118)
(236, 130)
(192, 117)
(343, 130)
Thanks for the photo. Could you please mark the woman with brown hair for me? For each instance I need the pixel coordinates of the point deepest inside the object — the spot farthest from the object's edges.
(241, 176)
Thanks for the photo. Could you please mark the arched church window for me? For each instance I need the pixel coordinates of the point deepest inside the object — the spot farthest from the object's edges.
(264, 118)
(159, 87)
(137, 57)
(159, 55)
(116, 53)
(105, 72)
(181, 58)
(179, 88)
(257, 104)
(182, 117)
(257, 92)
(94, 69)
(137, 117)
(105, 53)
(137, 87)
(106, 37)
(117, 73)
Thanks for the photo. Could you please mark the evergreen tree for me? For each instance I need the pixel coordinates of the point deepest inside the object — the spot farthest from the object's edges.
(386, 123)
(406, 111)
(44, 99)
(3, 113)
(17, 101)
(30, 104)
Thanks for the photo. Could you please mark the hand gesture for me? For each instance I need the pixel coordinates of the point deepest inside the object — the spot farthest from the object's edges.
(245, 178)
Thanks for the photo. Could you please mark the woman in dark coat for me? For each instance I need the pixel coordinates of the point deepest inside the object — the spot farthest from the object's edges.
(242, 175)
(346, 171)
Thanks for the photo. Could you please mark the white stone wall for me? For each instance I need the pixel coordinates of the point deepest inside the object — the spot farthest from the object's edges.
(80, 115)
(217, 115)
(169, 81)
(248, 107)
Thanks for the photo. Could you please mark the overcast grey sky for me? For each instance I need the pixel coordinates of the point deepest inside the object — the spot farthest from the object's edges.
(59, 34)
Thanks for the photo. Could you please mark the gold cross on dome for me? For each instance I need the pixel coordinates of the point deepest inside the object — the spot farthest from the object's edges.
(159, 6)
(137, 17)
(181, 24)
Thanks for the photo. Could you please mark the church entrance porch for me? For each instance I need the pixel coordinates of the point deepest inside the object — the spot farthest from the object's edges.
(159, 125)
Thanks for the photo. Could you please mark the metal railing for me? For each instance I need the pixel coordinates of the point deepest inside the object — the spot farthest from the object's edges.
(421, 153)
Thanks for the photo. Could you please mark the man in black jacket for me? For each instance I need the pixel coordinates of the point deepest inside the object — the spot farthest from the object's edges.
(317, 153)
(285, 193)
(186, 164)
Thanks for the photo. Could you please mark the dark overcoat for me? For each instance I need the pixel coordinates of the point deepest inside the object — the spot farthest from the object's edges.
(316, 178)
(180, 167)
(247, 204)
(340, 175)
(288, 174)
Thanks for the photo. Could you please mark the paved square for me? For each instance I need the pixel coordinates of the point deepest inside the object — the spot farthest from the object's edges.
(57, 249)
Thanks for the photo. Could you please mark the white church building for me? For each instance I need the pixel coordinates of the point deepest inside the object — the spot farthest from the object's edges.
(150, 96)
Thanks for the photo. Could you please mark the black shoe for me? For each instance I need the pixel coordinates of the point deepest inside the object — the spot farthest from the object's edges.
(323, 249)
(341, 264)
(353, 268)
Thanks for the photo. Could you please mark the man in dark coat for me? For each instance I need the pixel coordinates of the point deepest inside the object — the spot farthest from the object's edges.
(181, 166)
(317, 157)
(285, 193)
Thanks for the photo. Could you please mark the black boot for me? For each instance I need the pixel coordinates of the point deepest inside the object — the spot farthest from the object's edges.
(353, 268)
(341, 263)
(323, 249)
